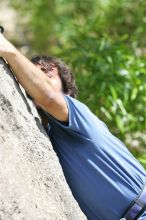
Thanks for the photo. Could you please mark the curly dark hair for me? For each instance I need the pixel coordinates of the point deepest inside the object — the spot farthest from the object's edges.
(66, 76)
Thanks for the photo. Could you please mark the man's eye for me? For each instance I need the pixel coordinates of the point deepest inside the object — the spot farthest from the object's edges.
(44, 70)
(48, 73)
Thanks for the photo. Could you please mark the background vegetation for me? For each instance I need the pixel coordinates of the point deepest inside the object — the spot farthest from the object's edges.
(104, 41)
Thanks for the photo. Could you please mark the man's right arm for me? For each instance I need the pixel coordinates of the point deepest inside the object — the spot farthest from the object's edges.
(34, 81)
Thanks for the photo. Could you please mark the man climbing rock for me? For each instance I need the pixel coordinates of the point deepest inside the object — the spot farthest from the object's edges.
(105, 179)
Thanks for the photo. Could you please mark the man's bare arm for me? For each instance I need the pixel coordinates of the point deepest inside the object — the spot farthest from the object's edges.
(34, 81)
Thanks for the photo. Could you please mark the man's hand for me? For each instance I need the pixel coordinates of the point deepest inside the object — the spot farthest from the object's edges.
(6, 48)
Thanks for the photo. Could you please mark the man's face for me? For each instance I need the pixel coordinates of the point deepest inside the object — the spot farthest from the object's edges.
(53, 76)
(54, 79)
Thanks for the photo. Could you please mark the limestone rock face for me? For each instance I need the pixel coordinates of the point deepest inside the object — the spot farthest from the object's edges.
(32, 184)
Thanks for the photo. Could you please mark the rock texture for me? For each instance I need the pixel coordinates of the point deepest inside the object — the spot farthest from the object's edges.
(32, 185)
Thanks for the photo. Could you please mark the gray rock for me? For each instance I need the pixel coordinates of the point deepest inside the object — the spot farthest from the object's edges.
(32, 184)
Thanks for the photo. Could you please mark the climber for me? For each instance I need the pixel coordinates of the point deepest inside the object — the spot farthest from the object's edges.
(105, 179)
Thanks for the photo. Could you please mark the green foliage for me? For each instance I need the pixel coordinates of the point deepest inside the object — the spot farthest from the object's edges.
(104, 42)
(110, 80)
(36, 19)
(142, 159)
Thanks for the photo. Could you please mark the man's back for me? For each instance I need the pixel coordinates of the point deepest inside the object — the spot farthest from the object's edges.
(102, 174)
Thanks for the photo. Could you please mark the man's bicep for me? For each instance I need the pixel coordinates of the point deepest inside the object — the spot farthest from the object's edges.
(57, 107)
